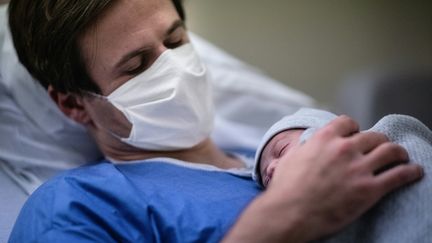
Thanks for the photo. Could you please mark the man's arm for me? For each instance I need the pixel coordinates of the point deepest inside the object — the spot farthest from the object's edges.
(324, 185)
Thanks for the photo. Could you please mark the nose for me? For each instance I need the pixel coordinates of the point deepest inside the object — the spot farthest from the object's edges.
(160, 49)
(270, 169)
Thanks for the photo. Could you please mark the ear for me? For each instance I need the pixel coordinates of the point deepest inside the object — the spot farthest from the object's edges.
(71, 105)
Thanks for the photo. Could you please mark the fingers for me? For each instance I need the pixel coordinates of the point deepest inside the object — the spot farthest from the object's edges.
(341, 126)
(367, 141)
(384, 156)
(398, 176)
(390, 173)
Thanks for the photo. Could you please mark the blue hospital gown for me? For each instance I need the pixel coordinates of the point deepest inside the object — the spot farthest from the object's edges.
(136, 202)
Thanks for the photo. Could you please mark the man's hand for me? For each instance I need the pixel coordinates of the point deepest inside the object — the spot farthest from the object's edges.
(321, 186)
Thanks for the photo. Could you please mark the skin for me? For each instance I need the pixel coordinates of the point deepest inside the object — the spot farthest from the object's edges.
(336, 165)
(276, 148)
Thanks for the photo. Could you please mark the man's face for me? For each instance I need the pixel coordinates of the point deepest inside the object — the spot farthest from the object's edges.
(124, 42)
(128, 38)
(278, 146)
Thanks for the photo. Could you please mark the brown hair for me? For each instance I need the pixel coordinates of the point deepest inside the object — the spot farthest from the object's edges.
(45, 34)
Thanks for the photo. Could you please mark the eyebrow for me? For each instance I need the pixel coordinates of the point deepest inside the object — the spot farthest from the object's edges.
(177, 24)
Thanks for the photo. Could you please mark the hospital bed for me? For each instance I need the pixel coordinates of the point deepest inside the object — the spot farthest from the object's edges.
(37, 141)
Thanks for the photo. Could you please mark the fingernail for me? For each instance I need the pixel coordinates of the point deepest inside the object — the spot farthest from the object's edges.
(421, 172)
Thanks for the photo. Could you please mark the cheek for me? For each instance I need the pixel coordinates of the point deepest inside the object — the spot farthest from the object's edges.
(105, 115)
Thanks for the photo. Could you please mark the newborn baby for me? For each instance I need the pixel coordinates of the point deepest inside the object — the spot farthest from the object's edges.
(287, 132)
(402, 216)
(297, 128)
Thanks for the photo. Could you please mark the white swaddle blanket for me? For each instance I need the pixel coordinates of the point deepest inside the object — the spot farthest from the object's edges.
(402, 216)
(406, 214)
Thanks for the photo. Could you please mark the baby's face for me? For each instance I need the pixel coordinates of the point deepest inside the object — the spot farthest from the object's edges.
(274, 150)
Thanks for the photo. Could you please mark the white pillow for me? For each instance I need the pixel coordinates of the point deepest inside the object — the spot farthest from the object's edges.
(38, 133)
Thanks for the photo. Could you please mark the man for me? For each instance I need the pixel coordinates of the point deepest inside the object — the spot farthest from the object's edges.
(124, 69)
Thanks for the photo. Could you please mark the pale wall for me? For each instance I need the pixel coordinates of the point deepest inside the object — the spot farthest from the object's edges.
(313, 45)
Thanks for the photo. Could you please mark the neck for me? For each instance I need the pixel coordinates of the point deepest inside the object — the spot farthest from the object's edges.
(205, 152)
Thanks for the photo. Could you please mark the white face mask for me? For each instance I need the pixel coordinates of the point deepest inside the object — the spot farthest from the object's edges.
(169, 105)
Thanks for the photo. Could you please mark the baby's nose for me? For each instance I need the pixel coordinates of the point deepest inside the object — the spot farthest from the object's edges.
(271, 168)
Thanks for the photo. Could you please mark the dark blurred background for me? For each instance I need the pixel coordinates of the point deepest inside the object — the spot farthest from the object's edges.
(315, 46)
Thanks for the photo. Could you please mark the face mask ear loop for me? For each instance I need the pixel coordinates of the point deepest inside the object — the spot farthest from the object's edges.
(98, 96)
(94, 95)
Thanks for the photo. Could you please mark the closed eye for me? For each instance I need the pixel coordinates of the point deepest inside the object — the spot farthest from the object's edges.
(143, 64)
(136, 62)
(282, 150)
(173, 45)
